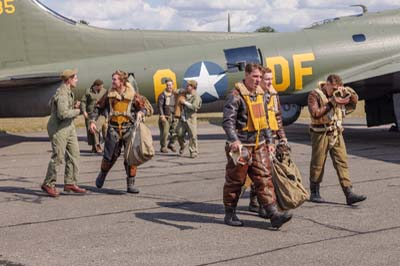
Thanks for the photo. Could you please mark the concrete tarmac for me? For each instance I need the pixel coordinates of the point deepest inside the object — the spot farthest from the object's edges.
(177, 219)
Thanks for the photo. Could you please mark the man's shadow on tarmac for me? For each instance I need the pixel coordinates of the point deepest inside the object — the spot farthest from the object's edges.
(201, 212)
(22, 194)
(33, 195)
(8, 139)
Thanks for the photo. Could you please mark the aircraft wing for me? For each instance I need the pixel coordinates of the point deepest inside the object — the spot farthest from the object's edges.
(373, 69)
(28, 80)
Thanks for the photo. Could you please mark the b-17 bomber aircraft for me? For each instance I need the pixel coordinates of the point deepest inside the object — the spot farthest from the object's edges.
(37, 43)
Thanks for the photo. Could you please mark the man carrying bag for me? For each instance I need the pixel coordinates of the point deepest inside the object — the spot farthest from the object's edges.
(289, 190)
(140, 148)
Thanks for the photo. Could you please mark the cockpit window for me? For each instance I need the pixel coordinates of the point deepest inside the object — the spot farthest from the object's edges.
(319, 23)
(330, 20)
(54, 13)
(359, 37)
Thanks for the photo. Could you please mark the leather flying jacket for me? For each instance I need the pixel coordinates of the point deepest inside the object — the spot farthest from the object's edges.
(235, 119)
(317, 111)
(163, 108)
(103, 106)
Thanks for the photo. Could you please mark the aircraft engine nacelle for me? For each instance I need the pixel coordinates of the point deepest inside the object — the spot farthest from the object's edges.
(290, 113)
(27, 97)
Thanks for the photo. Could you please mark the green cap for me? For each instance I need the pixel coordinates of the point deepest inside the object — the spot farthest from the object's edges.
(193, 83)
(68, 73)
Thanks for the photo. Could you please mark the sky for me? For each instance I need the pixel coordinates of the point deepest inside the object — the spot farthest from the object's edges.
(210, 15)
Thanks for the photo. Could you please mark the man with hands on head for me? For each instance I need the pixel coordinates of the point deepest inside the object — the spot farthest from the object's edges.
(190, 105)
(328, 105)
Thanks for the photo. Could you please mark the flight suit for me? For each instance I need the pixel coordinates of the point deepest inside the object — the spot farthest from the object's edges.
(245, 120)
(166, 107)
(63, 138)
(275, 123)
(255, 157)
(122, 110)
(326, 136)
(88, 102)
(188, 124)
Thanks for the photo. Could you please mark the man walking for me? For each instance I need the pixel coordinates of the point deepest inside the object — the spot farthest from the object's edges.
(63, 138)
(326, 129)
(88, 102)
(123, 106)
(191, 104)
(275, 123)
(249, 141)
(167, 121)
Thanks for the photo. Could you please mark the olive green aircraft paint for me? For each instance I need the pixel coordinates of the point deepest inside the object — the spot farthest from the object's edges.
(37, 44)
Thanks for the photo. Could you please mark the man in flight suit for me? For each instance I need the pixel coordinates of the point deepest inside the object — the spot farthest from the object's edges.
(275, 123)
(188, 121)
(326, 136)
(63, 138)
(88, 102)
(123, 106)
(167, 121)
(249, 141)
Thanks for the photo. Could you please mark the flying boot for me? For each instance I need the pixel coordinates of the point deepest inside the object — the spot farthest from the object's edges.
(352, 197)
(231, 217)
(277, 218)
(254, 206)
(315, 196)
(130, 180)
(104, 169)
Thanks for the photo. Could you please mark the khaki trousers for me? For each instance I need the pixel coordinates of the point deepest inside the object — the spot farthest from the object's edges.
(320, 149)
(64, 145)
(168, 129)
(94, 139)
(189, 127)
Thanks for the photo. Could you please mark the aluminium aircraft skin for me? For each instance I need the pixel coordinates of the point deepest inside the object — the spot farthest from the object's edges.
(38, 43)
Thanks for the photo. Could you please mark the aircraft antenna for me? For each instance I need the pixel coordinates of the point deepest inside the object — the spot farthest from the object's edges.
(364, 8)
(229, 22)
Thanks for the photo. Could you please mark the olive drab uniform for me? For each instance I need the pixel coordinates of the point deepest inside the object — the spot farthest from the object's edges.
(88, 102)
(166, 107)
(326, 136)
(63, 138)
(188, 123)
(122, 110)
(245, 120)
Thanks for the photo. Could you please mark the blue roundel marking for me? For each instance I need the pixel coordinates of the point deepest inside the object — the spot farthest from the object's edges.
(212, 82)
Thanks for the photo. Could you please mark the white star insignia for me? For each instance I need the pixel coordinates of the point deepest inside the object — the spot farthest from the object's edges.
(206, 82)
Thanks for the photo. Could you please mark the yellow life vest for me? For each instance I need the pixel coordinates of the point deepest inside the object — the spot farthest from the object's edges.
(256, 115)
(272, 110)
(120, 105)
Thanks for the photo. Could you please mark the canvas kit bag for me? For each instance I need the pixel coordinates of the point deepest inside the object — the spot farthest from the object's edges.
(289, 190)
(140, 146)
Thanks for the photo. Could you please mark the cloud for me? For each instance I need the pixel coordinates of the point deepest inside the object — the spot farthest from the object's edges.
(210, 15)
(215, 4)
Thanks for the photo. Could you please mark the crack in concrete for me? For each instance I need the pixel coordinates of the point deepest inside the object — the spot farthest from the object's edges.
(299, 245)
